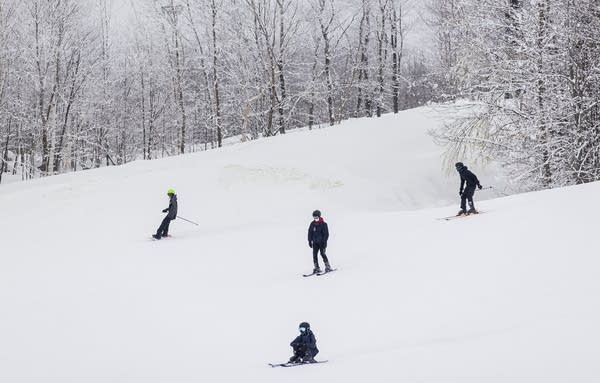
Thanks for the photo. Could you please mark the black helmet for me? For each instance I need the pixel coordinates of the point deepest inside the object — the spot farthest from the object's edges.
(305, 325)
(317, 213)
(459, 165)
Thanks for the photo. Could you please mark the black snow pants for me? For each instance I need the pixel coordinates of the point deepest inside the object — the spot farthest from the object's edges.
(163, 229)
(316, 248)
(302, 352)
(467, 195)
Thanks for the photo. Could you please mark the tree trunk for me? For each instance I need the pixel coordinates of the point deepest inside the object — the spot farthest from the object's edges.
(70, 101)
(179, 88)
(325, 25)
(215, 75)
(4, 163)
(311, 104)
(397, 44)
(544, 127)
(382, 41)
(281, 66)
(363, 41)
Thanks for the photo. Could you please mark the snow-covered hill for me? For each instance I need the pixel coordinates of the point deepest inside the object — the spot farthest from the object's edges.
(506, 296)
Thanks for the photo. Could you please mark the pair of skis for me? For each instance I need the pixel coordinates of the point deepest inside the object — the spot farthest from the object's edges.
(318, 274)
(460, 216)
(288, 364)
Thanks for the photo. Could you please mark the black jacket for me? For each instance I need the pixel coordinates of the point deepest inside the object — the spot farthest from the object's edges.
(466, 176)
(306, 340)
(172, 214)
(318, 232)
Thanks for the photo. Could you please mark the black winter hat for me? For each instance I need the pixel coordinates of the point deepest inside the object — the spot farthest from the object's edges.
(305, 325)
(459, 165)
(317, 213)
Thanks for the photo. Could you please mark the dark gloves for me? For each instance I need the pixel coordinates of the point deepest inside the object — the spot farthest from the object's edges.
(165, 210)
(310, 244)
(480, 187)
(460, 193)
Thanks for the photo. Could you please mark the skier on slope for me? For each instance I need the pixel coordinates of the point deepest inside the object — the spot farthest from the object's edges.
(163, 229)
(318, 234)
(466, 193)
(305, 345)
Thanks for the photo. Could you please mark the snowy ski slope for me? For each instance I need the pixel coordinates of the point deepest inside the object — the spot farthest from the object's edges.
(507, 296)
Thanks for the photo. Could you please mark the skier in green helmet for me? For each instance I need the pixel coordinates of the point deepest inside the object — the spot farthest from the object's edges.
(163, 229)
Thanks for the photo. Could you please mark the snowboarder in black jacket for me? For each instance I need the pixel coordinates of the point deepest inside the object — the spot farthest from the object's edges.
(163, 229)
(318, 234)
(305, 345)
(466, 193)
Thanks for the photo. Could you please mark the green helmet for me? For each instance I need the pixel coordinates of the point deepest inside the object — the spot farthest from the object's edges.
(171, 191)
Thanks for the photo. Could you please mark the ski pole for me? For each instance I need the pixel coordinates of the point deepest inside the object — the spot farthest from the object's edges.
(187, 220)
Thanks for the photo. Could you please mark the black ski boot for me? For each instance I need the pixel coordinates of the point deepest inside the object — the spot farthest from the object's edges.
(156, 236)
(472, 209)
(461, 212)
(317, 269)
(308, 358)
(327, 267)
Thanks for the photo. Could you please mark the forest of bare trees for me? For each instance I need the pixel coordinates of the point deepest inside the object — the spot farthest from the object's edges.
(533, 67)
(79, 90)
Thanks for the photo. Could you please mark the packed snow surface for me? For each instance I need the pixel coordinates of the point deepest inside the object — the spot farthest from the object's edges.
(510, 295)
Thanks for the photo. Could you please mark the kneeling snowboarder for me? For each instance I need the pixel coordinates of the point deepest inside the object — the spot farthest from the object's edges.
(466, 193)
(163, 229)
(318, 234)
(305, 345)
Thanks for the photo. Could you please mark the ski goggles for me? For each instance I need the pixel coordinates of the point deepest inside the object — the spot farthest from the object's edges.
(302, 329)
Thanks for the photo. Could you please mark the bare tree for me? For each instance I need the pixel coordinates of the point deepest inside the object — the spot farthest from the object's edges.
(397, 35)
(176, 58)
(363, 65)
(79, 91)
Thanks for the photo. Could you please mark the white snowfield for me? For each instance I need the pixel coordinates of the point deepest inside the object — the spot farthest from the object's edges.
(511, 295)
